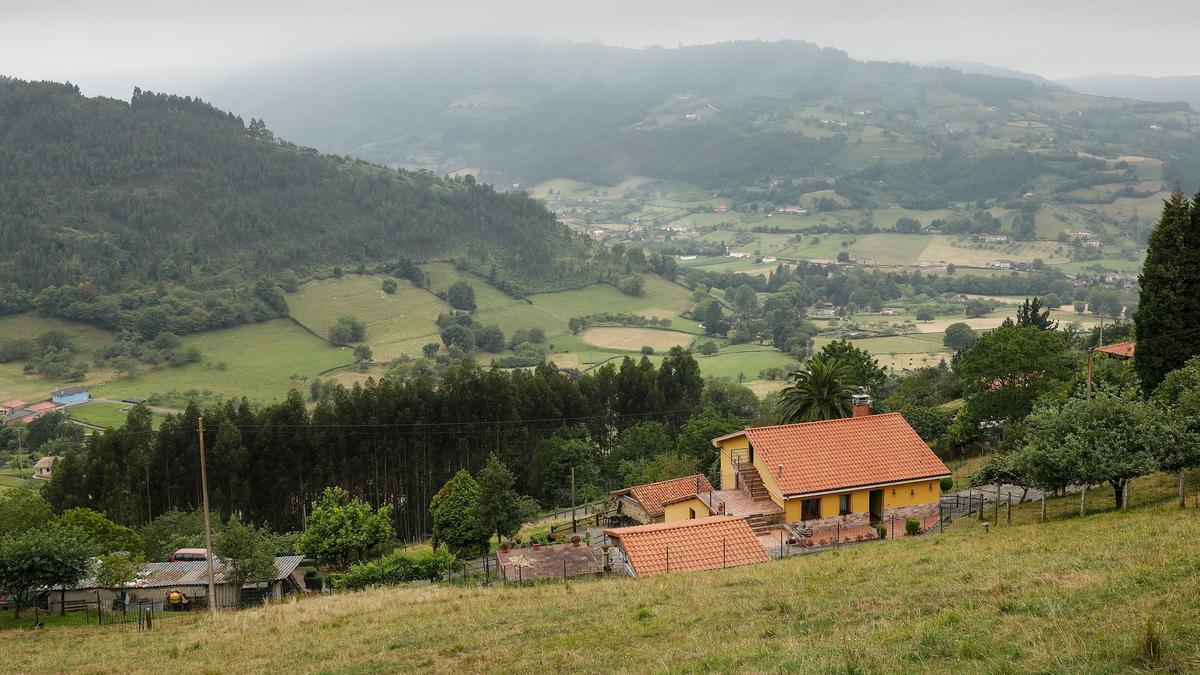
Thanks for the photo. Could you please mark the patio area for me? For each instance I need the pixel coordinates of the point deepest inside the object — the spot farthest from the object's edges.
(737, 503)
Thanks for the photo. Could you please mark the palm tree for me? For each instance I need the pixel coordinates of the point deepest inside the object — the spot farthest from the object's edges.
(821, 391)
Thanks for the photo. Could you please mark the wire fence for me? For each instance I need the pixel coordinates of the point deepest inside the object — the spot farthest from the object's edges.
(116, 613)
(998, 505)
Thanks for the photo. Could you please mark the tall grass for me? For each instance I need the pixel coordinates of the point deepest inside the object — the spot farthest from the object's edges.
(1066, 596)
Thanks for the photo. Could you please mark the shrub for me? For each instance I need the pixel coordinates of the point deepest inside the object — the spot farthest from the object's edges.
(396, 568)
(648, 350)
(389, 286)
(882, 529)
(912, 527)
(947, 484)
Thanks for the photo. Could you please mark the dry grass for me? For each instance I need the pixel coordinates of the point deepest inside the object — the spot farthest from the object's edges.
(633, 339)
(1069, 596)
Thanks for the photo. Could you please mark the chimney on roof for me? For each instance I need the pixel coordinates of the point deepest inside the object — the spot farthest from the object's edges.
(862, 404)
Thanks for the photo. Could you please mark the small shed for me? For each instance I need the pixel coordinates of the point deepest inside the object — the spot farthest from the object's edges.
(42, 468)
(546, 562)
(156, 580)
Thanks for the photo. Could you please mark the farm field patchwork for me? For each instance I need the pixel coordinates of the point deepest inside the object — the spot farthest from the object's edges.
(492, 305)
(887, 248)
(661, 299)
(946, 249)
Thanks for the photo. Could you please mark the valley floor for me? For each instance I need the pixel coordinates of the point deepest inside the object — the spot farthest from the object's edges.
(1081, 595)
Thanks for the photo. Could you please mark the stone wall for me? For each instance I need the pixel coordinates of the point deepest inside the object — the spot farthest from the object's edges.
(859, 519)
(628, 506)
(927, 513)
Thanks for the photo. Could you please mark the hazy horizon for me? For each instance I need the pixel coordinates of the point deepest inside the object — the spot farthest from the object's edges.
(192, 44)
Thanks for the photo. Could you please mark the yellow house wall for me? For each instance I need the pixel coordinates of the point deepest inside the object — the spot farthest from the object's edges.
(740, 447)
(895, 496)
(730, 448)
(679, 510)
(906, 494)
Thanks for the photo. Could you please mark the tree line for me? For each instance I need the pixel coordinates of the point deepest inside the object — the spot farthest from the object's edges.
(393, 441)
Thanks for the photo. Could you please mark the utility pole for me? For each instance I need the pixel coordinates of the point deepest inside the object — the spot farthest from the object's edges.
(208, 550)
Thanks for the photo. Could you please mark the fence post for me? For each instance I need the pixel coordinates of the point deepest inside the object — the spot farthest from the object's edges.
(1083, 500)
(1010, 508)
(893, 532)
(997, 503)
(781, 544)
(941, 519)
(981, 506)
(837, 532)
(564, 570)
(723, 540)
(1043, 506)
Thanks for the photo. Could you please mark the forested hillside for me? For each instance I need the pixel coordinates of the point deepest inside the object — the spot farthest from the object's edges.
(716, 116)
(108, 207)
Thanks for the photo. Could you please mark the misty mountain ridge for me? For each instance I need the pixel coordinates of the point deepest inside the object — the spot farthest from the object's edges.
(734, 113)
(977, 68)
(1171, 89)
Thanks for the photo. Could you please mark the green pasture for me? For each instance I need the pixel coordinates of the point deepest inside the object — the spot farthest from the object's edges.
(392, 320)
(262, 361)
(106, 414)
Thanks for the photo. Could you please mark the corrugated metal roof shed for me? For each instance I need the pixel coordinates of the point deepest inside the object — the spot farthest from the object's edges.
(192, 573)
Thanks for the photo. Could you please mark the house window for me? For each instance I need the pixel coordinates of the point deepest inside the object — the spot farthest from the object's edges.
(810, 509)
(844, 504)
(691, 514)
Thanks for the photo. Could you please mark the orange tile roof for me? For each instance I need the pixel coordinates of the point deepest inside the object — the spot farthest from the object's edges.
(652, 496)
(689, 545)
(546, 562)
(1122, 349)
(844, 453)
(43, 406)
(14, 404)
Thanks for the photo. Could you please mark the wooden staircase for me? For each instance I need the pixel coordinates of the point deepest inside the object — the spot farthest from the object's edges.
(751, 483)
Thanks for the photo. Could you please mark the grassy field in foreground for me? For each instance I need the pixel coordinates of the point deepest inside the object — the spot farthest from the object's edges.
(1072, 596)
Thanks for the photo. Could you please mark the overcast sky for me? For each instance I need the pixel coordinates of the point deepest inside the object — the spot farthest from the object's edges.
(108, 46)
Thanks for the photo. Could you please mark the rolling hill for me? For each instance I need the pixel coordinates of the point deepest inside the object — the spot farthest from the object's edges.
(715, 116)
(102, 199)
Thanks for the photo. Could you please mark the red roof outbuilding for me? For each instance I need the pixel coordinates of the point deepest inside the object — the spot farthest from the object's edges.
(689, 545)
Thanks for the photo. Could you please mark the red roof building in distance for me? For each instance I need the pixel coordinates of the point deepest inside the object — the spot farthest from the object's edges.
(42, 407)
(11, 406)
(708, 543)
(645, 503)
(1122, 350)
(559, 561)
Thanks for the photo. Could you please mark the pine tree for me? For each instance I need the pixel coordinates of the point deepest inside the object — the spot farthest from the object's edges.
(1168, 315)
